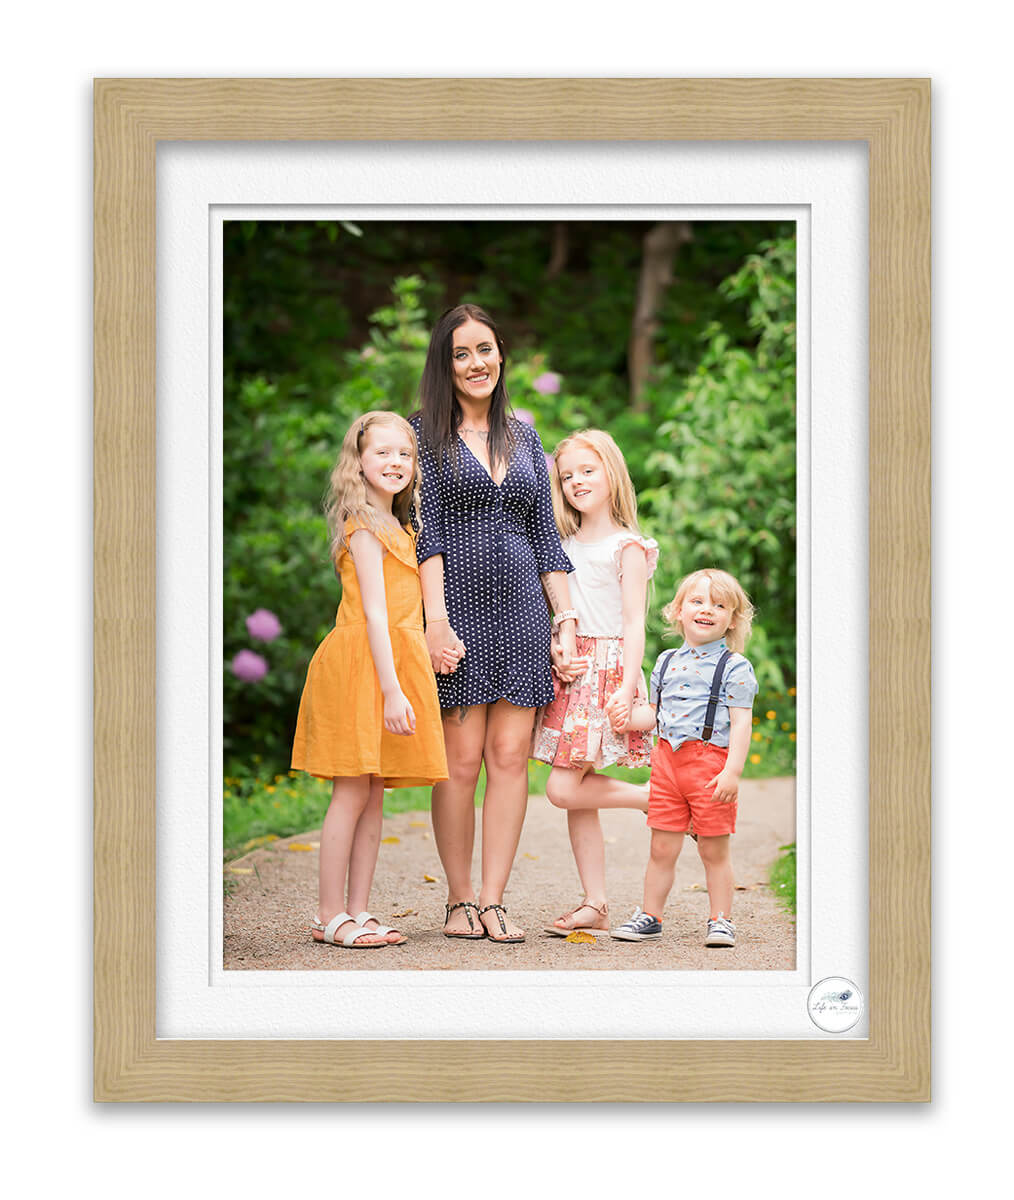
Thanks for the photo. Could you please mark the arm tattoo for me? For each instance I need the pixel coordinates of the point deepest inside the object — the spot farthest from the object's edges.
(554, 600)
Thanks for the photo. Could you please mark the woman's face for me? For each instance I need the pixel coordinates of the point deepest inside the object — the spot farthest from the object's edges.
(475, 362)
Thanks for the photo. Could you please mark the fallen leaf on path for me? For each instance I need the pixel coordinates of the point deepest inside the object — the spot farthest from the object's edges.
(533, 857)
(409, 912)
(300, 846)
(241, 870)
(429, 879)
(583, 939)
(418, 825)
(261, 841)
(390, 841)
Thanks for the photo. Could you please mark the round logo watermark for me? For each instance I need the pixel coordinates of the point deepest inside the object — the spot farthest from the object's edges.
(835, 1004)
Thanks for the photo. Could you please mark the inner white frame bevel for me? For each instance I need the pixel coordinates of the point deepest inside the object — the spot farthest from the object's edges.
(199, 187)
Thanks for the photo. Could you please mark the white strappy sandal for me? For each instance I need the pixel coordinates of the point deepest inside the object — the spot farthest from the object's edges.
(349, 940)
(381, 930)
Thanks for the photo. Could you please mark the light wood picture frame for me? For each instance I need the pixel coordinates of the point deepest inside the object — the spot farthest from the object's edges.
(892, 116)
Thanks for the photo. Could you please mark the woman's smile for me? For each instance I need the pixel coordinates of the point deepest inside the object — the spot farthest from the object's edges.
(475, 361)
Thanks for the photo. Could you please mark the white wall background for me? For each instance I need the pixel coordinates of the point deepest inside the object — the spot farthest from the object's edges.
(62, 1140)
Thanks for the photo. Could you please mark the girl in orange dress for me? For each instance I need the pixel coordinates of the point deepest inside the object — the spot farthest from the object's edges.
(369, 715)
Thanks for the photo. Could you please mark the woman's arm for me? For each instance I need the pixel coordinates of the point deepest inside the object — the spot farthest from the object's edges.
(557, 588)
(443, 643)
(368, 558)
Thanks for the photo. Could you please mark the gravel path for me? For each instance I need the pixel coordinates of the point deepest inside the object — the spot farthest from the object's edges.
(273, 890)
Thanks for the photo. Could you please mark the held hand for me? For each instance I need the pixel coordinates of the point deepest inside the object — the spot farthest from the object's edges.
(440, 637)
(452, 655)
(617, 709)
(566, 671)
(726, 785)
(398, 715)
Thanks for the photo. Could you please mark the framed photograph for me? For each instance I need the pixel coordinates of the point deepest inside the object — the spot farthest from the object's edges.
(847, 162)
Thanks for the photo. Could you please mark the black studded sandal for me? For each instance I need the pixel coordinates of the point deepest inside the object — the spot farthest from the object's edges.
(501, 912)
(475, 932)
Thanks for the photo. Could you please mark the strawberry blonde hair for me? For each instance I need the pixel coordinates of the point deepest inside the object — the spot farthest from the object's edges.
(725, 588)
(346, 497)
(622, 501)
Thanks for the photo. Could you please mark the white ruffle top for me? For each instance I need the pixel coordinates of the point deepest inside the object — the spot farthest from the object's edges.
(595, 581)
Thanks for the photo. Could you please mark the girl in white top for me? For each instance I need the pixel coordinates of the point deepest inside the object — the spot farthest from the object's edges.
(596, 512)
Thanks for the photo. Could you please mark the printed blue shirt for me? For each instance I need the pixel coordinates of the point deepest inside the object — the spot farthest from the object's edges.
(687, 687)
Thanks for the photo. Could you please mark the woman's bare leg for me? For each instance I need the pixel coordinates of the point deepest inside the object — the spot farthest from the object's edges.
(453, 805)
(508, 739)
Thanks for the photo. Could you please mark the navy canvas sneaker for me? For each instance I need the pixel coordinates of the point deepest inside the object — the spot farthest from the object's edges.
(642, 927)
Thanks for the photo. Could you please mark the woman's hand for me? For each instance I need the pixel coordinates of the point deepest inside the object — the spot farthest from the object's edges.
(566, 670)
(398, 715)
(567, 640)
(446, 649)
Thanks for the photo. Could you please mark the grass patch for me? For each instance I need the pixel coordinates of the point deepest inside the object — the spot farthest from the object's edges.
(259, 802)
(782, 877)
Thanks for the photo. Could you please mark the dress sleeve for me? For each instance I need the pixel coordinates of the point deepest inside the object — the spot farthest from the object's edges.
(740, 684)
(650, 548)
(431, 538)
(549, 555)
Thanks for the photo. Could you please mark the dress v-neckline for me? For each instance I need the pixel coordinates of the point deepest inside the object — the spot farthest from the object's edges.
(478, 462)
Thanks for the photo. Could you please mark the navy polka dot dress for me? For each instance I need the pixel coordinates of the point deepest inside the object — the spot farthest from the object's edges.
(496, 542)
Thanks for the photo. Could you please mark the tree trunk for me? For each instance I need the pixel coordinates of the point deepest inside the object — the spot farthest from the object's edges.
(661, 244)
(559, 250)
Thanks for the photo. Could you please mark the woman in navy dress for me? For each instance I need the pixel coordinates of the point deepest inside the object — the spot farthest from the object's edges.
(490, 556)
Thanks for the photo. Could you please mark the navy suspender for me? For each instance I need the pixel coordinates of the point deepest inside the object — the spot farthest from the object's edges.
(716, 686)
(716, 683)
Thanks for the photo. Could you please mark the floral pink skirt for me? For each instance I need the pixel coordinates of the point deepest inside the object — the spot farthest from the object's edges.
(574, 731)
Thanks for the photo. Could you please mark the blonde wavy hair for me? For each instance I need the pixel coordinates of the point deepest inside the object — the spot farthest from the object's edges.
(724, 588)
(346, 498)
(622, 501)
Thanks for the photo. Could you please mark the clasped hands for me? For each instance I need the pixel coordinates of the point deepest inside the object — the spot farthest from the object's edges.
(445, 647)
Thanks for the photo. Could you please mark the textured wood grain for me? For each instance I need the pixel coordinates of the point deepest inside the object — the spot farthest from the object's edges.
(893, 117)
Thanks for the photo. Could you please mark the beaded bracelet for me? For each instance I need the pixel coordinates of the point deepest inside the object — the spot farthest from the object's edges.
(569, 614)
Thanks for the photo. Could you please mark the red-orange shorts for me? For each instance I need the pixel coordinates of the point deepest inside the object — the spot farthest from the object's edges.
(678, 795)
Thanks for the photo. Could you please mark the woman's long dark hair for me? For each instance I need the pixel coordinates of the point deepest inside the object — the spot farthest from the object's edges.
(438, 405)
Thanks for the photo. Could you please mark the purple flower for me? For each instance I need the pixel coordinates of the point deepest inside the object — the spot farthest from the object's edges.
(548, 383)
(550, 463)
(249, 666)
(523, 414)
(263, 625)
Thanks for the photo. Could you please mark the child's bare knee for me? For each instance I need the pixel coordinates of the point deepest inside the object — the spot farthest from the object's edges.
(559, 789)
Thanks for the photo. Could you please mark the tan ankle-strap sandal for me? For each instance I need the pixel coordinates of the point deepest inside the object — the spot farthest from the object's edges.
(564, 930)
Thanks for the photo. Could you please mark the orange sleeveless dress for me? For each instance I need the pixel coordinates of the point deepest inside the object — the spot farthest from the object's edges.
(340, 728)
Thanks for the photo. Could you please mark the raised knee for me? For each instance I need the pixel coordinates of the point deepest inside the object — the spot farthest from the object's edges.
(558, 790)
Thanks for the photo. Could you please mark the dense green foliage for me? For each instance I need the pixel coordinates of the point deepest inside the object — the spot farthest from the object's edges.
(324, 320)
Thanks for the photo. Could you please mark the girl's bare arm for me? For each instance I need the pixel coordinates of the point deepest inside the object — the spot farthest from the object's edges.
(368, 557)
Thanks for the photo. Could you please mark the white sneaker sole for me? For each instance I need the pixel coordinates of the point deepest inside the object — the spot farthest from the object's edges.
(625, 936)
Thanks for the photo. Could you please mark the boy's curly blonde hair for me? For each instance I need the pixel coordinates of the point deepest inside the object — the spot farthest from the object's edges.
(724, 588)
